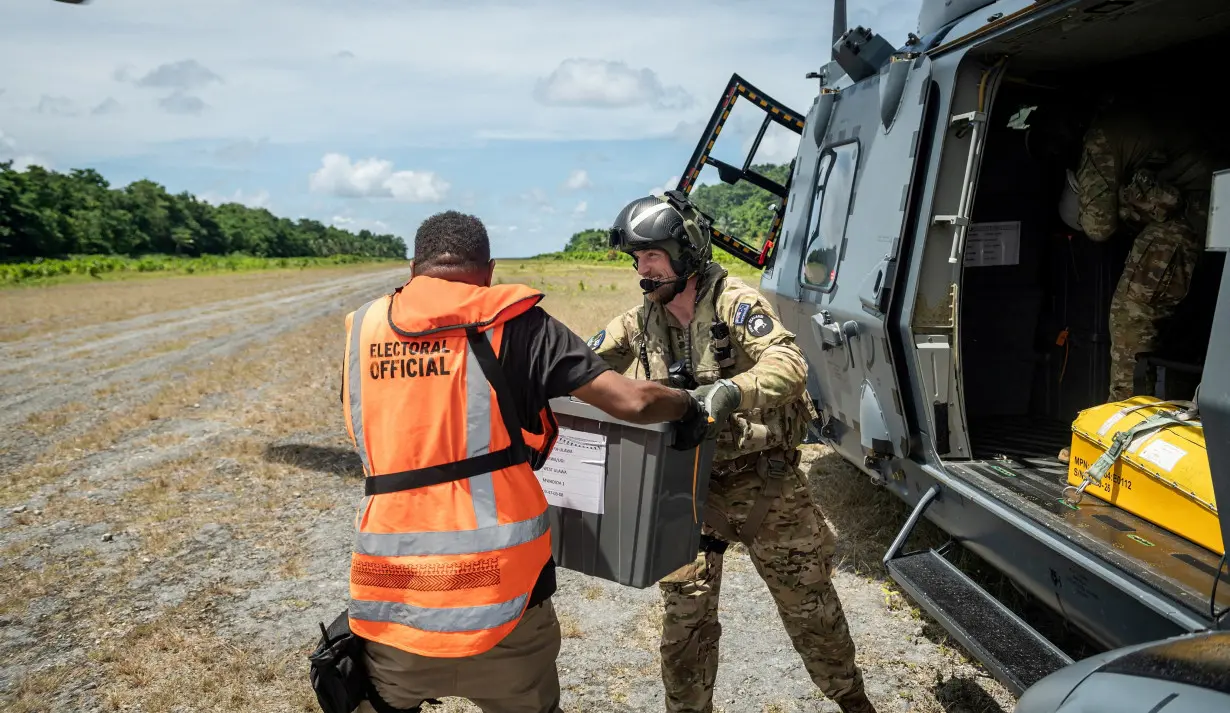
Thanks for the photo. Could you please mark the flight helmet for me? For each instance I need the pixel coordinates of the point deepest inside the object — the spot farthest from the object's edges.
(669, 222)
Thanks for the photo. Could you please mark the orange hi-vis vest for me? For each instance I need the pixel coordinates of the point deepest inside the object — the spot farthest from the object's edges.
(452, 532)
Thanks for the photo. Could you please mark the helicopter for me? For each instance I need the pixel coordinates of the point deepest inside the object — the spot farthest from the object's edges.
(956, 332)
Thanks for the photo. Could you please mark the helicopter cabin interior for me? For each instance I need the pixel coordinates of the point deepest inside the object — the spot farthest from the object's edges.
(1034, 294)
(1027, 304)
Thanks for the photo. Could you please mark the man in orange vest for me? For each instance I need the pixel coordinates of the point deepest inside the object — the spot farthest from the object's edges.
(446, 383)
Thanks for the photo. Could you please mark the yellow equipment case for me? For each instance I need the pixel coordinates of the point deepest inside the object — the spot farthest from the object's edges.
(1147, 457)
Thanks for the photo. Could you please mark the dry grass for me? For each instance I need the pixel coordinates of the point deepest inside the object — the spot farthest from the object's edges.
(275, 421)
(864, 517)
(174, 659)
(570, 627)
(584, 297)
(45, 309)
(36, 691)
(41, 423)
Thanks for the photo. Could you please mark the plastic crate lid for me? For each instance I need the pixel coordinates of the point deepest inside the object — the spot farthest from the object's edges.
(572, 406)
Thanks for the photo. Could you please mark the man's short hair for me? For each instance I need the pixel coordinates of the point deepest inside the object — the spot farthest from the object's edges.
(452, 239)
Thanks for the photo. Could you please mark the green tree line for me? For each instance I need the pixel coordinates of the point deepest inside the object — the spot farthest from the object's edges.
(46, 214)
(741, 210)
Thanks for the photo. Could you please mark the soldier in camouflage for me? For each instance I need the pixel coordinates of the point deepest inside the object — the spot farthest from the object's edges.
(701, 328)
(1147, 174)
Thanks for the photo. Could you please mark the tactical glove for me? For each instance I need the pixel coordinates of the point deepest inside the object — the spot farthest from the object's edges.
(720, 399)
(693, 427)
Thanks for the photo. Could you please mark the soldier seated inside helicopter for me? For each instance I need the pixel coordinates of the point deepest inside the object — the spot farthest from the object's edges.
(1102, 289)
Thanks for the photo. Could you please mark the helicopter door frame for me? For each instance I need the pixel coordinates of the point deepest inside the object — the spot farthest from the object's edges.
(775, 112)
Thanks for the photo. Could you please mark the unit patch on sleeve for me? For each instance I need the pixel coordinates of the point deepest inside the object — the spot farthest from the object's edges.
(596, 340)
(741, 313)
(759, 325)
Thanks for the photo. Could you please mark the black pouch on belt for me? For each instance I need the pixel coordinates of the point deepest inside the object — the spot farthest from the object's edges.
(337, 673)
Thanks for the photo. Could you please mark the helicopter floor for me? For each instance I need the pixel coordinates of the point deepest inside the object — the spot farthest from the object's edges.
(1016, 462)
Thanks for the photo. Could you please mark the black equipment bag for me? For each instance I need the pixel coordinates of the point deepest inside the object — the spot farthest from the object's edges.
(337, 672)
(339, 676)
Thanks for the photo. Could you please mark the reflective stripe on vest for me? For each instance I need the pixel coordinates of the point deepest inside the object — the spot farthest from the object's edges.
(451, 590)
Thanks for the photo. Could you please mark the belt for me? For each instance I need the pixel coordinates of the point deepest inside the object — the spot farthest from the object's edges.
(792, 456)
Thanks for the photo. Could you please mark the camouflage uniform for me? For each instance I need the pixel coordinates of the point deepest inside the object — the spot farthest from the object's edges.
(1150, 176)
(757, 453)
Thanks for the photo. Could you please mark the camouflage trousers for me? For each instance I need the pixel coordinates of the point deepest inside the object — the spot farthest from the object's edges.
(1156, 278)
(792, 552)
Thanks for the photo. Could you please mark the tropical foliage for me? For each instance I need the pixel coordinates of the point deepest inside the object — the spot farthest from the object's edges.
(45, 214)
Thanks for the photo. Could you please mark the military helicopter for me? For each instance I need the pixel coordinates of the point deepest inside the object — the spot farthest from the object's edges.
(956, 331)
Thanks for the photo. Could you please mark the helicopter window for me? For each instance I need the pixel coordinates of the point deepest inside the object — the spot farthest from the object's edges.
(826, 225)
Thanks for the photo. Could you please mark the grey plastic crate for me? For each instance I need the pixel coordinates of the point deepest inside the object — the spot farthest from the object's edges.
(647, 528)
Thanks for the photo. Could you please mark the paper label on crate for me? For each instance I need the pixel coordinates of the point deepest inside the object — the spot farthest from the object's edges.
(575, 475)
(988, 244)
(1165, 455)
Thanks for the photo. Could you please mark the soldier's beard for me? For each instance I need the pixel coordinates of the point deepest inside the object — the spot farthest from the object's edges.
(664, 293)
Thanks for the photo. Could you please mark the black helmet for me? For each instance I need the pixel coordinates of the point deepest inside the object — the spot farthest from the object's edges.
(669, 223)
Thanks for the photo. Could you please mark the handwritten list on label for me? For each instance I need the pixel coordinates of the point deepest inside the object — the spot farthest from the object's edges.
(575, 474)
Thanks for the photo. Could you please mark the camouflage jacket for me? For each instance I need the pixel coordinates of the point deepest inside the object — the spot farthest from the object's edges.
(769, 367)
(1141, 166)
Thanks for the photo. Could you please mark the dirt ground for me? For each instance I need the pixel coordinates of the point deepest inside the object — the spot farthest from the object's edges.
(176, 510)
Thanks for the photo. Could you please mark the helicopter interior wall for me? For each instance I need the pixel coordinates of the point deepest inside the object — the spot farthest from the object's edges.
(1034, 333)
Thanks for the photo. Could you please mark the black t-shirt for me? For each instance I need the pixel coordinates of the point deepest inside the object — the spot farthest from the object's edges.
(542, 360)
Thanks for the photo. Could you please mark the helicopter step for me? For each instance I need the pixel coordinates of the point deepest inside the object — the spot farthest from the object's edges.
(1015, 654)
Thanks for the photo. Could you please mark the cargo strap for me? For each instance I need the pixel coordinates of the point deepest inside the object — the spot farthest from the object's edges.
(773, 466)
(1123, 439)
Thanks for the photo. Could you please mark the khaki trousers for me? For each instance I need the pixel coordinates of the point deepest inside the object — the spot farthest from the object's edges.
(518, 675)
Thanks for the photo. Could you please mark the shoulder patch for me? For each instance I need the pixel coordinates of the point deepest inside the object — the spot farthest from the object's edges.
(759, 325)
(741, 313)
(596, 340)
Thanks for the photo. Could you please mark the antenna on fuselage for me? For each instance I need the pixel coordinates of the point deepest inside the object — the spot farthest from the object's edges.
(839, 24)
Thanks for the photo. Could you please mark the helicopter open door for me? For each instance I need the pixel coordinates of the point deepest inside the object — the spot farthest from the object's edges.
(749, 237)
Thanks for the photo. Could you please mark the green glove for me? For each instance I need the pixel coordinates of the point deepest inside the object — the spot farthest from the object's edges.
(720, 399)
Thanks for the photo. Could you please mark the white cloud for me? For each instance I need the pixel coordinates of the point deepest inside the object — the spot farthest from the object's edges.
(183, 75)
(180, 103)
(604, 83)
(581, 208)
(61, 106)
(8, 152)
(262, 70)
(108, 106)
(375, 178)
(670, 185)
(577, 180)
(539, 199)
(241, 150)
(21, 163)
(357, 224)
(260, 199)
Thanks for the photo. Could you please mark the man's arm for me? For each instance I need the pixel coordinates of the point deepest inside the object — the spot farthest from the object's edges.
(636, 400)
(566, 366)
(780, 373)
(1097, 184)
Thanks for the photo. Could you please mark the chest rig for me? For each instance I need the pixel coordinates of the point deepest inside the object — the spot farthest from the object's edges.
(656, 344)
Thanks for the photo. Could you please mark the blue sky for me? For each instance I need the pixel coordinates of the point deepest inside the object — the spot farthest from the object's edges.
(542, 118)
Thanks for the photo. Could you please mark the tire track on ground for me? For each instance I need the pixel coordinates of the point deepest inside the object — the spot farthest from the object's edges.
(35, 391)
(14, 356)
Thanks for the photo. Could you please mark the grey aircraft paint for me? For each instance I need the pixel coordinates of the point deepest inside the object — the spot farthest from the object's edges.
(869, 266)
